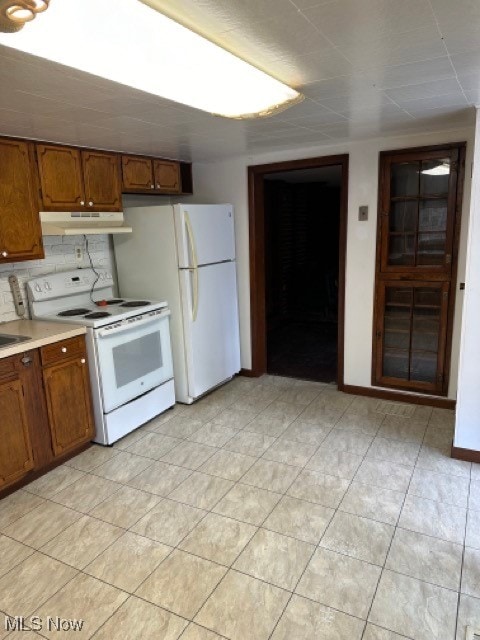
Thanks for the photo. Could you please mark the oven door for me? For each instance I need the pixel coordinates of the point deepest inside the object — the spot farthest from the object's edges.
(133, 358)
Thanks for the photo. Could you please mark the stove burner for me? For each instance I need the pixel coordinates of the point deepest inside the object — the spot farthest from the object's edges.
(73, 312)
(135, 303)
(114, 301)
(98, 314)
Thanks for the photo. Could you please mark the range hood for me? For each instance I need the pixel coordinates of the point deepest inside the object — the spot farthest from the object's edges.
(77, 223)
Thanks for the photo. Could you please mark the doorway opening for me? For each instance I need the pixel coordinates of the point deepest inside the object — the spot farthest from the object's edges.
(298, 220)
(302, 226)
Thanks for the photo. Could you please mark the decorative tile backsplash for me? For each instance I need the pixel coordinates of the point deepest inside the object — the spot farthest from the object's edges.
(59, 256)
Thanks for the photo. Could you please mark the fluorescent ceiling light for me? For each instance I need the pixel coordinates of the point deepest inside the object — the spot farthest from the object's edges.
(440, 170)
(131, 43)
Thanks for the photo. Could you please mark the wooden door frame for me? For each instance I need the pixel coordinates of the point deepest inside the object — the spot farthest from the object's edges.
(256, 205)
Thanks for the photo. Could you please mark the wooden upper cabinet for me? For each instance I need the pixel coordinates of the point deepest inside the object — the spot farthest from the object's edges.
(67, 387)
(167, 176)
(417, 208)
(103, 189)
(137, 174)
(20, 231)
(61, 178)
(16, 457)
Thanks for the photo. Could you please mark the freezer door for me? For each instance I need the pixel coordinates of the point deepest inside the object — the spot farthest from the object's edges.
(204, 233)
(210, 321)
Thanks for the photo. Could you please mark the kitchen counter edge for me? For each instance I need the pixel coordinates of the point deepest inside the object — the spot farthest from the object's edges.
(40, 333)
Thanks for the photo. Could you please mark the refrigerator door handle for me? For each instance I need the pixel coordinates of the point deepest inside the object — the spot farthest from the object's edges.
(191, 240)
(194, 268)
(194, 272)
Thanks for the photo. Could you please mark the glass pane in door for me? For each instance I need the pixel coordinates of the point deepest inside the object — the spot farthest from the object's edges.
(425, 334)
(403, 216)
(396, 331)
(401, 249)
(431, 248)
(395, 364)
(404, 180)
(432, 215)
(434, 177)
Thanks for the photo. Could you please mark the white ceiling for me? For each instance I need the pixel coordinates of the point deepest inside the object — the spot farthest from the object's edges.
(366, 67)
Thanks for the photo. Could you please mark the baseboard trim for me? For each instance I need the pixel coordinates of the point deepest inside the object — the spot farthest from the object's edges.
(249, 373)
(469, 455)
(413, 398)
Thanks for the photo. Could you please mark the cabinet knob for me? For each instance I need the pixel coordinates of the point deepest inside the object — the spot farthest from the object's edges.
(158, 186)
(83, 360)
(4, 254)
(90, 204)
(26, 361)
(82, 202)
(152, 186)
(64, 349)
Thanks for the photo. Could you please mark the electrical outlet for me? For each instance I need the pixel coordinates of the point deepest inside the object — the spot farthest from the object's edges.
(79, 254)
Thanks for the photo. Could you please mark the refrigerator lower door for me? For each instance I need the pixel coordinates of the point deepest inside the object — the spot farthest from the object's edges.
(210, 322)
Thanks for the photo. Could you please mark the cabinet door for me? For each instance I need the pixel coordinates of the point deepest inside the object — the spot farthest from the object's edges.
(101, 172)
(67, 388)
(16, 457)
(20, 232)
(61, 178)
(167, 176)
(418, 197)
(137, 174)
(411, 321)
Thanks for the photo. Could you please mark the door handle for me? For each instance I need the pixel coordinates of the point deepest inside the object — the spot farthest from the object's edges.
(194, 268)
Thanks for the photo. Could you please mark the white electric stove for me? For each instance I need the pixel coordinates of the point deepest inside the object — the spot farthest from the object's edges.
(128, 342)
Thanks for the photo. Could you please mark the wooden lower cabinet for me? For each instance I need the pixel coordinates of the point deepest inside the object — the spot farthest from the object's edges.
(67, 389)
(16, 455)
(45, 412)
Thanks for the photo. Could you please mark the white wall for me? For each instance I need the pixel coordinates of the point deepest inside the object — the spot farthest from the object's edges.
(467, 426)
(59, 256)
(226, 181)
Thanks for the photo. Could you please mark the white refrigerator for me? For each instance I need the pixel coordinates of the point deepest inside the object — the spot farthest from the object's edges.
(185, 254)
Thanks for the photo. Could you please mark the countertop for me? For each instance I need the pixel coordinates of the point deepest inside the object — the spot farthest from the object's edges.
(40, 333)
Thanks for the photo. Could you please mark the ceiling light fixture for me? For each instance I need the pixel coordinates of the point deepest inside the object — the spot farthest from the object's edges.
(137, 46)
(15, 13)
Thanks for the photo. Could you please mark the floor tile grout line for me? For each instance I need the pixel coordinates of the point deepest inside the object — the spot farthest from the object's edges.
(462, 566)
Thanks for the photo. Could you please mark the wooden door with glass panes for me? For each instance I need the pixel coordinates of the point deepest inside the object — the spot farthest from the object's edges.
(418, 227)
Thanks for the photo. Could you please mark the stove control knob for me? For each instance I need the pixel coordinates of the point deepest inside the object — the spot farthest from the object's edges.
(38, 288)
(48, 286)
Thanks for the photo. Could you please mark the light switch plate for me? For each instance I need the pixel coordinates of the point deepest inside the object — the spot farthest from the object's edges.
(363, 213)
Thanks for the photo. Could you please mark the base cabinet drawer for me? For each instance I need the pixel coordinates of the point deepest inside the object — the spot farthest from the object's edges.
(64, 350)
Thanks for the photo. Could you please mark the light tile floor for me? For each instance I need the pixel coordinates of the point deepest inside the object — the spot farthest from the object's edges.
(271, 509)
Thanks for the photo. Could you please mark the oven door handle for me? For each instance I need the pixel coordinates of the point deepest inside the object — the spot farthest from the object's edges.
(106, 332)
